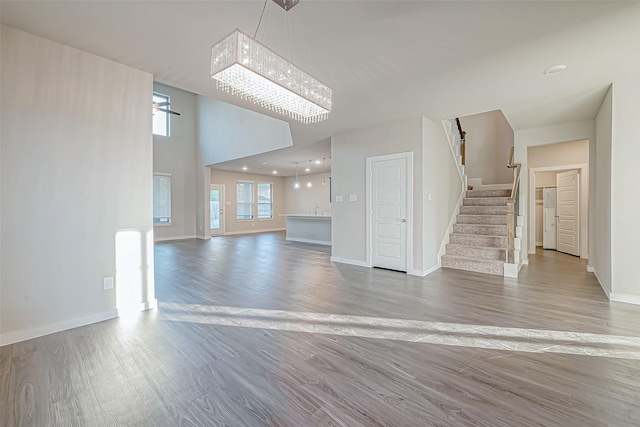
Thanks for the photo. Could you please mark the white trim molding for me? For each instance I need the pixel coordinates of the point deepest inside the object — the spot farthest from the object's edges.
(356, 262)
(27, 334)
(431, 270)
(315, 242)
(626, 298)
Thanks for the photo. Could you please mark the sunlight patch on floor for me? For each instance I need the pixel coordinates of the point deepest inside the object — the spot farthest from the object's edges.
(452, 334)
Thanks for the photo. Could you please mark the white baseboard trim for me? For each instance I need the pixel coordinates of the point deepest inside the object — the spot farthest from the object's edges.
(203, 236)
(317, 242)
(431, 270)
(525, 262)
(265, 230)
(627, 298)
(350, 261)
(27, 334)
(591, 269)
(166, 239)
(512, 270)
(149, 305)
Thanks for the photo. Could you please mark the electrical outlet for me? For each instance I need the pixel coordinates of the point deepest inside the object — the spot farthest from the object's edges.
(107, 283)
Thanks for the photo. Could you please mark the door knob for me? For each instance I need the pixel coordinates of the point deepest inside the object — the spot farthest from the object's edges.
(403, 220)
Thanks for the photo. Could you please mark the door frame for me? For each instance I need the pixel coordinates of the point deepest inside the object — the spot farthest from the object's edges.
(223, 221)
(408, 156)
(584, 204)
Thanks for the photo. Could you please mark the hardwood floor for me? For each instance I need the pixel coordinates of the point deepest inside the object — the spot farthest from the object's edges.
(257, 331)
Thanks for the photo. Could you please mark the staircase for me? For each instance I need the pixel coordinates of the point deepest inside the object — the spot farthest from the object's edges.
(479, 239)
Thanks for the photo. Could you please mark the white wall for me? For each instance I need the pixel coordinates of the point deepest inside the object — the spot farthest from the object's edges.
(442, 189)
(228, 132)
(304, 199)
(625, 206)
(76, 187)
(524, 139)
(176, 154)
(348, 165)
(600, 244)
(489, 139)
(232, 225)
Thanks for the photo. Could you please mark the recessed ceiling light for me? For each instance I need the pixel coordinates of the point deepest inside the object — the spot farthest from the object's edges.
(307, 169)
(263, 163)
(318, 162)
(275, 172)
(244, 168)
(555, 69)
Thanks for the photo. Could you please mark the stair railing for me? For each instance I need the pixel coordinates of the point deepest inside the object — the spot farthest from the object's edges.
(512, 208)
(463, 136)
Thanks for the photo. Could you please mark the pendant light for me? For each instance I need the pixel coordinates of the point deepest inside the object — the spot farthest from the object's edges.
(296, 184)
(308, 177)
(324, 179)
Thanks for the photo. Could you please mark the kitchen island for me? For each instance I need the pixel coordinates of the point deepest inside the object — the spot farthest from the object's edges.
(309, 228)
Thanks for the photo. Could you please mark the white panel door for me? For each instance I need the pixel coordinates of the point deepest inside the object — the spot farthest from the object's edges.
(389, 214)
(568, 206)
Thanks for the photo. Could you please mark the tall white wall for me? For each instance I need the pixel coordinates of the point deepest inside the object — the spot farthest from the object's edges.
(442, 189)
(488, 141)
(625, 153)
(176, 154)
(76, 187)
(228, 132)
(349, 152)
(304, 199)
(600, 243)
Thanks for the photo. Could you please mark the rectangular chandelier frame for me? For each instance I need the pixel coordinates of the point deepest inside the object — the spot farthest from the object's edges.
(247, 69)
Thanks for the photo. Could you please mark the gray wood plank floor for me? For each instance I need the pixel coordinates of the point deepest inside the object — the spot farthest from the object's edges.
(258, 331)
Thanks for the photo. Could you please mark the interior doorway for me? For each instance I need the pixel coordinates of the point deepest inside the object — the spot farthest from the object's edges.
(545, 178)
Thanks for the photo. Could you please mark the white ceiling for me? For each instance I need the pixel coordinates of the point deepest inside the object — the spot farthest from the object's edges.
(383, 59)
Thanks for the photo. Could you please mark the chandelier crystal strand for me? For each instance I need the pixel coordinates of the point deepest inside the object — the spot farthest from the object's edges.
(247, 69)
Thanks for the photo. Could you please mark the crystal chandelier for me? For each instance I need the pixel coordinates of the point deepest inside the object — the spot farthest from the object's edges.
(247, 69)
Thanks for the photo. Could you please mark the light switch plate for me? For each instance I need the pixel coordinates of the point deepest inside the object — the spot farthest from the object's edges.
(338, 199)
(107, 283)
(353, 197)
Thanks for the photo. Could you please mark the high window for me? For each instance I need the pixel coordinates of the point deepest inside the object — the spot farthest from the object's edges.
(160, 118)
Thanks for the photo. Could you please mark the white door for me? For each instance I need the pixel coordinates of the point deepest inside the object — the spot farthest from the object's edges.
(216, 209)
(568, 216)
(389, 213)
(549, 209)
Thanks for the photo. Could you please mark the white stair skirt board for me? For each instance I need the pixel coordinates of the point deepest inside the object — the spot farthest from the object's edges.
(512, 270)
